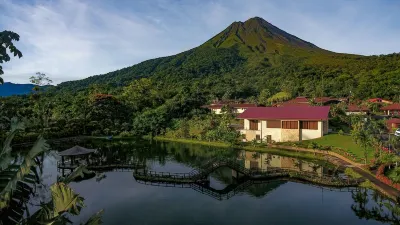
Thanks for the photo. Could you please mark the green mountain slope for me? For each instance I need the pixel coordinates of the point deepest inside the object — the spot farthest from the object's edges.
(250, 56)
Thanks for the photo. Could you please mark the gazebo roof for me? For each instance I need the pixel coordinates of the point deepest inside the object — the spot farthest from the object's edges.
(76, 150)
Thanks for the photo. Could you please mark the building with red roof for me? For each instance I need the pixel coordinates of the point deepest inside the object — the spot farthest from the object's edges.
(393, 109)
(304, 101)
(357, 109)
(235, 106)
(393, 124)
(289, 123)
(379, 100)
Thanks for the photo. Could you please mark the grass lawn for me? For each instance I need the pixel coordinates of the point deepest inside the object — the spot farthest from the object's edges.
(345, 142)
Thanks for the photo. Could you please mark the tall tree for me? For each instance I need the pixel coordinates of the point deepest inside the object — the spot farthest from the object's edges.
(42, 106)
(362, 137)
(6, 44)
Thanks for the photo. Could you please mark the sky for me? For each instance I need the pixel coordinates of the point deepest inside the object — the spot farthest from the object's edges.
(75, 39)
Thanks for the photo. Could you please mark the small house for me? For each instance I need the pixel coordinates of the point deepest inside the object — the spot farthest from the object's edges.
(280, 124)
(393, 109)
(357, 110)
(393, 124)
(237, 108)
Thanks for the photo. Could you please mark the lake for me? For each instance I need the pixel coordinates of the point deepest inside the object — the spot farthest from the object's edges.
(126, 200)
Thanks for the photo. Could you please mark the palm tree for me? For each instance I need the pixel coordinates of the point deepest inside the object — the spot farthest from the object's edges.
(362, 137)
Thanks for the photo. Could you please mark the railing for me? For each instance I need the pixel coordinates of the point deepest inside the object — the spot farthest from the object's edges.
(93, 166)
(253, 174)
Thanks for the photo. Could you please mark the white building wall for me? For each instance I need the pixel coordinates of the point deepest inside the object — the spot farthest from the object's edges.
(355, 113)
(274, 132)
(216, 111)
(312, 134)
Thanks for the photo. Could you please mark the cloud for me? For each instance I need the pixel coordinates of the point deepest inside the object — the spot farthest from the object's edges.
(74, 39)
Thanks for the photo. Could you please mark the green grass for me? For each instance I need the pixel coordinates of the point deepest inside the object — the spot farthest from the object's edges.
(351, 173)
(345, 142)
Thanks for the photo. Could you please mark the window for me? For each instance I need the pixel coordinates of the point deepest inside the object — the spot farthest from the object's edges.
(273, 124)
(309, 125)
(258, 137)
(253, 124)
(290, 124)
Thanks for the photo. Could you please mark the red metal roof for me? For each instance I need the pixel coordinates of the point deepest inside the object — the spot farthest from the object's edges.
(357, 108)
(305, 101)
(288, 112)
(395, 106)
(393, 120)
(235, 105)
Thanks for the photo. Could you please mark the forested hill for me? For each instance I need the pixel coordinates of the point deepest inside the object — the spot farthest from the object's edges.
(254, 55)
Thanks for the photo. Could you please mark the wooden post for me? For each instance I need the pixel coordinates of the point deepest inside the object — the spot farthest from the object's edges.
(62, 160)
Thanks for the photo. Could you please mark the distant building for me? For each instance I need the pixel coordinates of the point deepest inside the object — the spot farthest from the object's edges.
(393, 123)
(280, 124)
(357, 110)
(304, 101)
(236, 107)
(393, 109)
(379, 100)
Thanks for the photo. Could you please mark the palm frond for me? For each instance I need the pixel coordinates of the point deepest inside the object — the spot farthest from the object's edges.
(19, 173)
(65, 199)
(78, 172)
(96, 219)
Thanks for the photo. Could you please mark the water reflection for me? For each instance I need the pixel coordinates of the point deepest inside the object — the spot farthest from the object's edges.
(127, 201)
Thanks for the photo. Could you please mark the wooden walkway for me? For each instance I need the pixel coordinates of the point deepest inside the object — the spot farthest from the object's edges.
(105, 167)
(232, 190)
(199, 176)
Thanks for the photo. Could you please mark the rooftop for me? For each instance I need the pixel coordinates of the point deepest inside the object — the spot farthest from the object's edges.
(395, 106)
(76, 150)
(233, 105)
(357, 108)
(288, 112)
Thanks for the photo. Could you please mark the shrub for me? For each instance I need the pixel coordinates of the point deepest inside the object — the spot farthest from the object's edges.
(96, 133)
(341, 132)
(351, 173)
(380, 174)
(125, 134)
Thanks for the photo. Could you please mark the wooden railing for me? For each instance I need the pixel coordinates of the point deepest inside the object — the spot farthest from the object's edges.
(200, 175)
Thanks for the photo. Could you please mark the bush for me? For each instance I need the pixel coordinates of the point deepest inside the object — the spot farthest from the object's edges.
(351, 173)
(380, 174)
(341, 132)
(96, 133)
(125, 134)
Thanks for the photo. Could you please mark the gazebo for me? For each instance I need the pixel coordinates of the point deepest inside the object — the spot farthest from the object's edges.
(76, 151)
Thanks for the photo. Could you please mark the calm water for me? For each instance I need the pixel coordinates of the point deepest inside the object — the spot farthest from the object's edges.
(126, 201)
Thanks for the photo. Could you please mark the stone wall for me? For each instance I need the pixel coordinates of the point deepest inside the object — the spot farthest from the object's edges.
(290, 135)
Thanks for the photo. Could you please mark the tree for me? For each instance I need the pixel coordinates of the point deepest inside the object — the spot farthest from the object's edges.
(6, 44)
(362, 137)
(141, 93)
(42, 107)
(264, 96)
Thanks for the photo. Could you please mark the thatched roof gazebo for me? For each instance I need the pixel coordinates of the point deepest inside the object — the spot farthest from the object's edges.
(76, 151)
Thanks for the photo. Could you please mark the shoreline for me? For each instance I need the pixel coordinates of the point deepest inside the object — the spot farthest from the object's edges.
(271, 150)
(289, 151)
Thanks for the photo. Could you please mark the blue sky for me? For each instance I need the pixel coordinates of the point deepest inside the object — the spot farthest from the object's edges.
(74, 39)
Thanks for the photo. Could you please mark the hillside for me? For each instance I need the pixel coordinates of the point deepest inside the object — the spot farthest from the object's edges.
(9, 89)
(250, 56)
